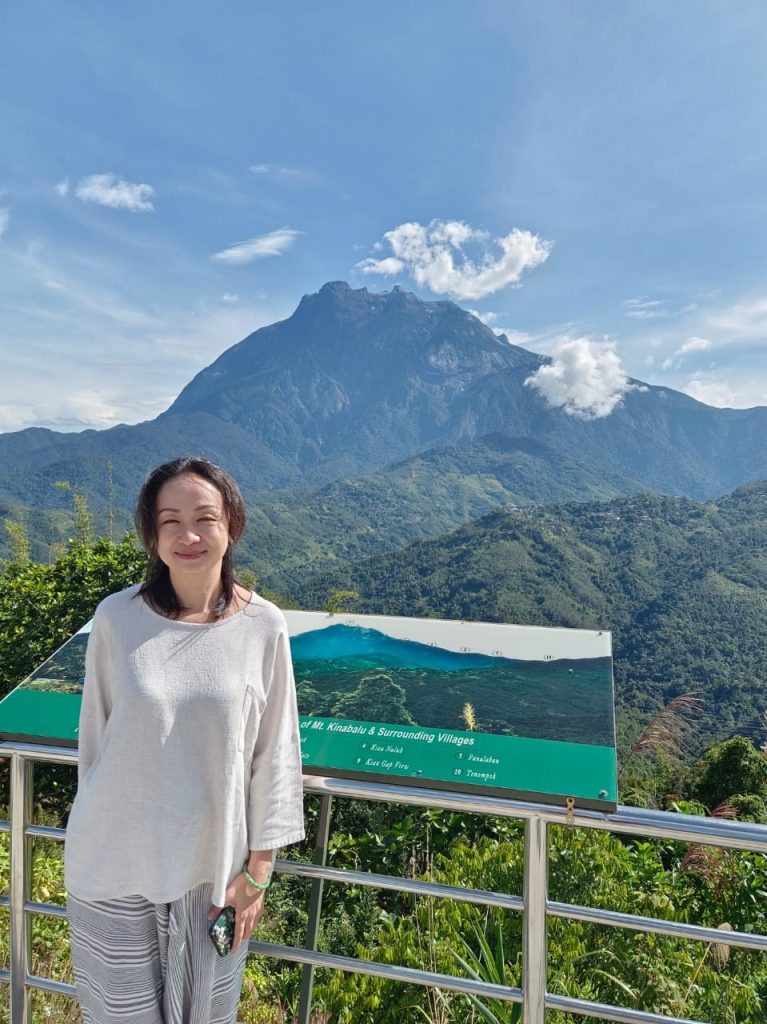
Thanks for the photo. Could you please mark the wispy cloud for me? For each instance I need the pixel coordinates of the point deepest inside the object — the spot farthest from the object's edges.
(62, 188)
(511, 334)
(229, 297)
(273, 244)
(644, 309)
(486, 318)
(743, 320)
(5, 216)
(435, 256)
(288, 177)
(654, 309)
(584, 378)
(96, 358)
(694, 344)
(712, 390)
(275, 171)
(108, 190)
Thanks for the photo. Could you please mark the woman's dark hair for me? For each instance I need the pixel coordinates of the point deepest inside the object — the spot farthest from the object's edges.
(158, 590)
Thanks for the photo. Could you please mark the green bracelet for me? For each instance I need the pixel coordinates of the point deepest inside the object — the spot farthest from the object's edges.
(263, 886)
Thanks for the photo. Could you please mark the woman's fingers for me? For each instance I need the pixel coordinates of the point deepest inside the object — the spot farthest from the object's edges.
(214, 912)
(245, 922)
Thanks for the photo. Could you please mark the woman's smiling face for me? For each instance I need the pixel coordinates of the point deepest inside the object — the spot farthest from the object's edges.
(191, 525)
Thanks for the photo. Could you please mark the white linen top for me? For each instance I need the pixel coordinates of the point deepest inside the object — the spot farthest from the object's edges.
(189, 751)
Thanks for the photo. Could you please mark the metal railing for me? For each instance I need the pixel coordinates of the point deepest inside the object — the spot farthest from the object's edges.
(534, 903)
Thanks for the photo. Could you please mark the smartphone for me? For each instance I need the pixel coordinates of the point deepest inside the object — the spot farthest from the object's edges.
(221, 931)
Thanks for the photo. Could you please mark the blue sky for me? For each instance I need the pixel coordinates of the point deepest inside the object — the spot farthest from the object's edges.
(586, 174)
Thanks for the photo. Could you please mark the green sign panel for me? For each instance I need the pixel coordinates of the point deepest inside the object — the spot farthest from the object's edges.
(511, 711)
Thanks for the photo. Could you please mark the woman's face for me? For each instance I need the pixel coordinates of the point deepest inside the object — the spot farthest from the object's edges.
(191, 526)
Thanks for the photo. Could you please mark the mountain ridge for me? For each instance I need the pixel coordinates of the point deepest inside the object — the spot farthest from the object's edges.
(356, 381)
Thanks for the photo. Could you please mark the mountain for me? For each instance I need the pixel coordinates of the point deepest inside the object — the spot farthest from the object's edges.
(421, 497)
(681, 584)
(335, 645)
(354, 382)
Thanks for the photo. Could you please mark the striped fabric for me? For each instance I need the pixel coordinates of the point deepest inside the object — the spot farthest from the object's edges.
(137, 962)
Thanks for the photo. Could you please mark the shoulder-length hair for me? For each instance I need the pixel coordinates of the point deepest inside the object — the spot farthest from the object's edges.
(157, 590)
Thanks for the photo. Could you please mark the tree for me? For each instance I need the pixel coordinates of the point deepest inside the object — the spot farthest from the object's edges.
(19, 541)
(81, 512)
(41, 606)
(339, 601)
(377, 699)
(732, 768)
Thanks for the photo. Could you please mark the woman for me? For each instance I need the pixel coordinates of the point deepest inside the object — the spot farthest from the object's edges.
(189, 766)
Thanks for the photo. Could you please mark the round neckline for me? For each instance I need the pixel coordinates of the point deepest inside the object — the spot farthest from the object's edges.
(197, 625)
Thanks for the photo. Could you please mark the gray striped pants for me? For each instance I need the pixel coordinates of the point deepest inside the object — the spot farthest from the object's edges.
(137, 962)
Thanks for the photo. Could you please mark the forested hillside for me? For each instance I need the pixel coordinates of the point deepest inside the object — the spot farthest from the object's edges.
(682, 585)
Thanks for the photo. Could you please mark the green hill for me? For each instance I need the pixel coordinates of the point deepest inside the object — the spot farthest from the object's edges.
(682, 585)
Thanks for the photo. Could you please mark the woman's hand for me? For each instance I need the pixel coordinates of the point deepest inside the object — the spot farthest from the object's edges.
(248, 908)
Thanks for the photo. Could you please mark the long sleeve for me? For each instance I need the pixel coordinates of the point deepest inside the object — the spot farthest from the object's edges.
(96, 700)
(275, 805)
(189, 751)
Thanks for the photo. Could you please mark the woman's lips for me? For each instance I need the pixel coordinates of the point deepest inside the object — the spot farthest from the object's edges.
(190, 555)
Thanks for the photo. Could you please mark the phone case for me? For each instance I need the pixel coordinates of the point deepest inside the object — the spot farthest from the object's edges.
(221, 931)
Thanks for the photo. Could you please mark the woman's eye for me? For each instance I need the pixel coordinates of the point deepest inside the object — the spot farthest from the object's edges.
(167, 522)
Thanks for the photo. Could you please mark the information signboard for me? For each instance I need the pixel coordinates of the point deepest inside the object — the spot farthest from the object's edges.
(515, 711)
(520, 711)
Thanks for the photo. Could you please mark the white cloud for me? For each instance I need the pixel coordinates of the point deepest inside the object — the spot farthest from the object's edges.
(229, 297)
(512, 336)
(273, 169)
(5, 215)
(485, 318)
(710, 388)
(693, 344)
(108, 190)
(653, 309)
(584, 378)
(389, 266)
(273, 244)
(63, 187)
(434, 257)
(78, 410)
(747, 320)
(644, 309)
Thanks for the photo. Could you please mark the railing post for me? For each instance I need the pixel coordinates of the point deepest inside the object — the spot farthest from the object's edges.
(315, 909)
(22, 775)
(534, 944)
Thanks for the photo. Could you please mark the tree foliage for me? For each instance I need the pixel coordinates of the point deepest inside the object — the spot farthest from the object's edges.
(726, 770)
(41, 606)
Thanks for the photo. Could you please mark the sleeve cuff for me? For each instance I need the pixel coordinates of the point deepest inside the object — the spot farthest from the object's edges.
(278, 841)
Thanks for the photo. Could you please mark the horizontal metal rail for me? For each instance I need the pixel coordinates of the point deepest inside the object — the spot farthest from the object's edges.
(688, 829)
(675, 929)
(389, 972)
(450, 983)
(584, 1008)
(400, 884)
(59, 988)
(633, 821)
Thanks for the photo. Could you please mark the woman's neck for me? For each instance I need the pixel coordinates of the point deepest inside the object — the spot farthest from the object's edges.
(198, 597)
